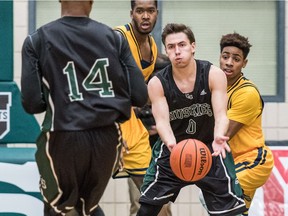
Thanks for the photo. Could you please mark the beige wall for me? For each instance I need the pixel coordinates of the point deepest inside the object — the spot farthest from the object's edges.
(115, 201)
(275, 119)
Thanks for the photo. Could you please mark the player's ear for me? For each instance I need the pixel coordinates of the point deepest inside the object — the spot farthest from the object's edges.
(131, 13)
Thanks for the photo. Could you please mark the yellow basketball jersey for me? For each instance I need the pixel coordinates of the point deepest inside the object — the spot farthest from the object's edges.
(245, 105)
(133, 131)
(127, 31)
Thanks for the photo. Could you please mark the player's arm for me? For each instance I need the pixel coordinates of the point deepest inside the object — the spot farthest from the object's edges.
(160, 112)
(218, 85)
(246, 108)
(234, 127)
(31, 81)
(138, 87)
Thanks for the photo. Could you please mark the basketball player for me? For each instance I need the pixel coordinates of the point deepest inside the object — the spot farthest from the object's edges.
(253, 159)
(189, 101)
(137, 156)
(72, 70)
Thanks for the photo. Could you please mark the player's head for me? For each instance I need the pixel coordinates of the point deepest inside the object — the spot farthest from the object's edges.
(236, 40)
(143, 15)
(76, 7)
(133, 3)
(233, 57)
(172, 28)
(179, 42)
(75, 0)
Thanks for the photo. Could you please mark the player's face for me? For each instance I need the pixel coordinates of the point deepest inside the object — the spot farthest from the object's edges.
(179, 49)
(144, 16)
(231, 62)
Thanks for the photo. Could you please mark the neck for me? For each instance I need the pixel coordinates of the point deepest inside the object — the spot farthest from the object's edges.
(230, 82)
(185, 71)
(141, 38)
(76, 8)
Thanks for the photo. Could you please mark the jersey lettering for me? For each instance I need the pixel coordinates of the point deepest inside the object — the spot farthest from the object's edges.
(96, 80)
(195, 110)
(70, 71)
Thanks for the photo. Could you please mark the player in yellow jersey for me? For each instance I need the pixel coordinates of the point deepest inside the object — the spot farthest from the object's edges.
(137, 156)
(253, 159)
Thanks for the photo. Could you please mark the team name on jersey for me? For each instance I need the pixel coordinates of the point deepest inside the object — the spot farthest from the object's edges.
(194, 110)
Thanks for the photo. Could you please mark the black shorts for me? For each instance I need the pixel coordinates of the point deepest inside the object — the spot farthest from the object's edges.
(220, 187)
(75, 166)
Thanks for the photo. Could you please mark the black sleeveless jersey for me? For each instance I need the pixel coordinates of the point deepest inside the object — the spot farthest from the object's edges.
(191, 114)
(83, 81)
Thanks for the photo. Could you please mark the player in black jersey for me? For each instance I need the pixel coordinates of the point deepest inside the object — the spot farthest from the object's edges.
(83, 76)
(189, 101)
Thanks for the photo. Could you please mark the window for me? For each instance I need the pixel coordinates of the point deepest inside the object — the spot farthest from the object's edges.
(261, 21)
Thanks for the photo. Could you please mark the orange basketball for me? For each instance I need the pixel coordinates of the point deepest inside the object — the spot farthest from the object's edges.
(190, 160)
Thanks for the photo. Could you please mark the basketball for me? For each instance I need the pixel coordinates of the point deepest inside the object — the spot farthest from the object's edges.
(190, 160)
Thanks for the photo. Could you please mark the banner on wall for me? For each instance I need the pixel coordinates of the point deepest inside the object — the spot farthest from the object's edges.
(19, 192)
(272, 198)
(16, 126)
(19, 183)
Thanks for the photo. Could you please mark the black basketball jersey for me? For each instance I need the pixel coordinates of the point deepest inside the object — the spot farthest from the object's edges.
(84, 84)
(191, 114)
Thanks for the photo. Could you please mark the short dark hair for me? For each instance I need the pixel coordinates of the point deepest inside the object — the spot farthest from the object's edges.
(236, 40)
(133, 3)
(171, 28)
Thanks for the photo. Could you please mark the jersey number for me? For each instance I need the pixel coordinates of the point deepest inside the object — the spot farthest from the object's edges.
(96, 80)
(191, 129)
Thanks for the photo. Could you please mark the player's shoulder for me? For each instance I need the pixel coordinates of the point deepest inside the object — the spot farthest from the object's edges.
(216, 72)
(247, 87)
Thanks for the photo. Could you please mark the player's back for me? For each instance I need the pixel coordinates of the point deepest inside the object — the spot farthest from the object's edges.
(84, 84)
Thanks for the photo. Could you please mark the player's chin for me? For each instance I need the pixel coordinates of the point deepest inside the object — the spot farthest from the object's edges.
(228, 74)
(146, 30)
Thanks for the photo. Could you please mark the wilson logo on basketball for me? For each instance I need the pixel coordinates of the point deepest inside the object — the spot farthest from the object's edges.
(203, 160)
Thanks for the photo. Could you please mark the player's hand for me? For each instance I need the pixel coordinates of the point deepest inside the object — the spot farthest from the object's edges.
(220, 146)
(170, 146)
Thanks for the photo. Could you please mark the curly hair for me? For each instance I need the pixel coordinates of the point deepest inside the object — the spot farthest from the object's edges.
(236, 40)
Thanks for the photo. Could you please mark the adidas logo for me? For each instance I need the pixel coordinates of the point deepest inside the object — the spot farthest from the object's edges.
(203, 92)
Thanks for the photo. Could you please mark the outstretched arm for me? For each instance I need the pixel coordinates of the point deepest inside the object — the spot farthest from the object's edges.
(218, 85)
(160, 112)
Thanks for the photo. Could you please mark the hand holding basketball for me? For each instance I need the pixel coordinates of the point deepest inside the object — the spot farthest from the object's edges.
(190, 160)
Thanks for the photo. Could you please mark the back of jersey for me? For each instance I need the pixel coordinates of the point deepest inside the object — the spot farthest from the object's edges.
(83, 81)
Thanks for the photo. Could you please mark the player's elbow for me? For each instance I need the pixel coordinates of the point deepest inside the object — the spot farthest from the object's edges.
(140, 98)
(32, 107)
